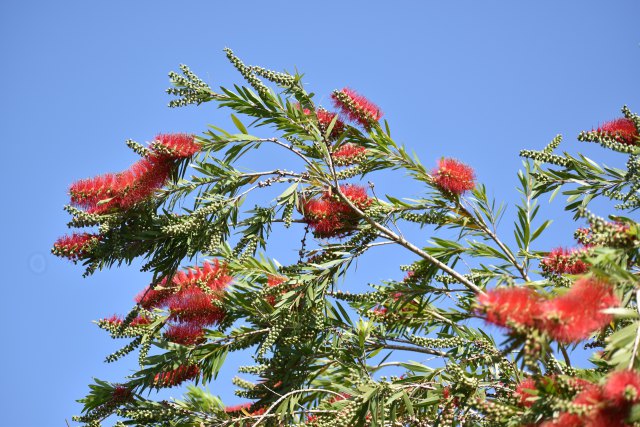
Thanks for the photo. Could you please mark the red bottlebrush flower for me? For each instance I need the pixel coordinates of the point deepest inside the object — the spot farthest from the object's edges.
(599, 411)
(141, 181)
(523, 391)
(573, 316)
(245, 408)
(176, 145)
(324, 120)
(211, 275)
(271, 282)
(86, 193)
(137, 321)
(622, 130)
(154, 298)
(356, 107)
(446, 393)
(329, 216)
(107, 192)
(562, 261)
(453, 176)
(121, 394)
(521, 306)
(340, 397)
(608, 234)
(349, 154)
(185, 334)
(140, 321)
(238, 408)
(379, 311)
(75, 246)
(623, 387)
(123, 190)
(193, 305)
(565, 419)
(357, 195)
(177, 376)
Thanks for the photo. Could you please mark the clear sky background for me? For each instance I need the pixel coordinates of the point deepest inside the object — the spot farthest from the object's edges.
(476, 80)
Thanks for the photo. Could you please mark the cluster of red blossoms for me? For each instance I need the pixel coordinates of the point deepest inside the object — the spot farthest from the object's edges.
(356, 107)
(191, 299)
(622, 130)
(123, 190)
(606, 406)
(568, 318)
(348, 154)
(328, 216)
(563, 261)
(324, 121)
(244, 407)
(176, 376)
(75, 246)
(121, 394)
(137, 321)
(453, 176)
(273, 281)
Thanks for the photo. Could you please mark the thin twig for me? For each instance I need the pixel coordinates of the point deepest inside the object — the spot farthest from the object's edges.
(408, 245)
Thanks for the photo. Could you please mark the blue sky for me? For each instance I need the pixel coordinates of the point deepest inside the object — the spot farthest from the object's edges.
(466, 79)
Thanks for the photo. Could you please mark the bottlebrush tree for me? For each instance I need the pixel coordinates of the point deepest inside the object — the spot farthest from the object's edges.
(493, 328)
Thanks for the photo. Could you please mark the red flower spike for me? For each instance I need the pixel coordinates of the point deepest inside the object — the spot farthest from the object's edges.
(121, 394)
(192, 305)
(623, 387)
(379, 311)
(75, 246)
(185, 334)
(356, 107)
(154, 298)
(176, 145)
(87, 192)
(137, 321)
(324, 120)
(245, 408)
(271, 282)
(510, 305)
(211, 275)
(177, 376)
(563, 261)
(575, 315)
(357, 195)
(329, 216)
(238, 408)
(453, 176)
(123, 190)
(349, 154)
(524, 392)
(622, 130)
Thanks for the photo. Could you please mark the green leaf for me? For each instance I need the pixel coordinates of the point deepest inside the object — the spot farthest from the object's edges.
(239, 124)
